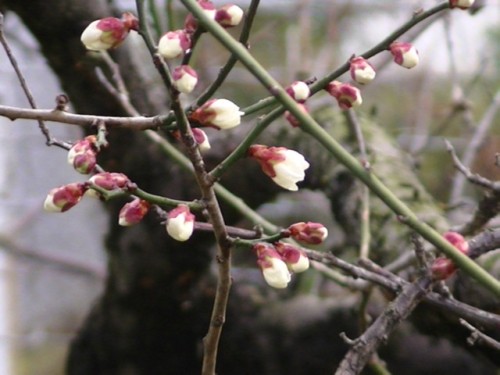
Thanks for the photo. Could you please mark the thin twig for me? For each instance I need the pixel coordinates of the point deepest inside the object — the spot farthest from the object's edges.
(478, 337)
(365, 345)
(474, 146)
(132, 123)
(22, 81)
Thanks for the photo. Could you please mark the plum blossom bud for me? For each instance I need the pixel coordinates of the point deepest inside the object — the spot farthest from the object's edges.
(201, 139)
(191, 23)
(285, 167)
(229, 15)
(442, 267)
(296, 260)
(218, 113)
(173, 44)
(108, 181)
(185, 78)
(457, 240)
(82, 156)
(274, 269)
(462, 4)
(308, 233)
(133, 212)
(108, 32)
(347, 95)
(292, 119)
(299, 91)
(62, 198)
(180, 223)
(361, 70)
(405, 54)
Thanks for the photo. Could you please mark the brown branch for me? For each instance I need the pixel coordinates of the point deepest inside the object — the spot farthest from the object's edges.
(478, 337)
(365, 345)
(22, 80)
(133, 123)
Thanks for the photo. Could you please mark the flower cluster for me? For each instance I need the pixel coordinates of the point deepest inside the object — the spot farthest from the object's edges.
(285, 167)
(278, 261)
(442, 267)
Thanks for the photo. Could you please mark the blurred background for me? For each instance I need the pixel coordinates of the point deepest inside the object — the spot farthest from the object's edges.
(46, 291)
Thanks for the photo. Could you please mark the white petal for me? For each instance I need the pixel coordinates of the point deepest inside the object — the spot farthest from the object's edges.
(91, 38)
(301, 265)
(49, 205)
(278, 275)
(228, 114)
(179, 229)
(291, 170)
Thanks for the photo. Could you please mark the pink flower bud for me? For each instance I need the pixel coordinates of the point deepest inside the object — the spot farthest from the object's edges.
(309, 233)
(457, 240)
(229, 15)
(405, 54)
(361, 70)
(462, 4)
(347, 95)
(442, 268)
(274, 269)
(185, 78)
(133, 212)
(64, 197)
(110, 180)
(218, 113)
(292, 119)
(299, 91)
(201, 139)
(180, 223)
(285, 167)
(173, 44)
(191, 23)
(82, 156)
(296, 260)
(108, 32)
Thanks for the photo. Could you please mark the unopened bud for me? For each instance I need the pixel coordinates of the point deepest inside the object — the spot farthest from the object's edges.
(191, 23)
(347, 95)
(133, 212)
(108, 181)
(292, 120)
(201, 139)
(173, 44)
(82, 156)
(62, 198)
(361, 70)
(218, 113)
(405, 54)
(180, 223)
(274, 269)
(299, 91)
(229, 15)
(285, 167)
(185, 78)
(108, 32)
(296, 260)
(462, 4)
(309, 233)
